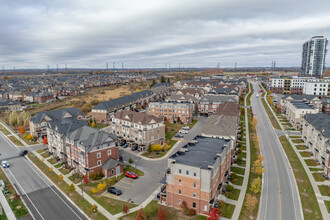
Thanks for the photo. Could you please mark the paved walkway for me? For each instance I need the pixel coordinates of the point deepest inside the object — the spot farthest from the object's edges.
(9, 213)
(14, 134)
(324, 211)
(241, 197)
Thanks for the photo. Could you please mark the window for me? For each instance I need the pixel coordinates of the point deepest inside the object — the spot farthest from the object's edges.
(99, 155)
(180, 201)
(187, 172)
(99, 162)
(179, 181)
(179, 191)
(194, 205)
(112, 171)
(194, 195)
(205, 207)
(194, 174)
(109, 152)
(179, 170)
(194, 185)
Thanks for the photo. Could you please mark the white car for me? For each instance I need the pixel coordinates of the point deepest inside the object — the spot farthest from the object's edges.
(185, 128)
(5, 164)
(183, 132)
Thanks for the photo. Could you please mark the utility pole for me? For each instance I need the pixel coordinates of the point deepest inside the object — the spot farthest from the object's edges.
(169, 67)
(235, 65)
(56, 68)
(179, 65)
(107, 68)
(66, 68)
(113, 65)
(122, 66)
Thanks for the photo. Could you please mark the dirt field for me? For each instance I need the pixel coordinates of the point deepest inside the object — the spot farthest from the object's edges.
(91, 97)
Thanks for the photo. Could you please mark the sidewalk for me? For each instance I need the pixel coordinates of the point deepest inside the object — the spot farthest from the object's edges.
(322, 206)
(6, 207)
(241, 197)
(13, 134)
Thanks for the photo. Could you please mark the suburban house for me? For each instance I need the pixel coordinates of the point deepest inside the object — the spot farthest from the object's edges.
(105, 110)
(197, 93)
(172, 111)
(138, 129)
(38, 123)
(197, 172)
(43, 97)
(326, 105)
(229, 109)
(224, 91)
(56, 132)
(209, 103)
(221, 126)
(295, 112)
(316, 135)
(10, 105)
(92, 150)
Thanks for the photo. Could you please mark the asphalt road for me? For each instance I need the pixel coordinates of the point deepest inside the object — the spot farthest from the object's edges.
(279, 198)
(154, 170)
(42, 198)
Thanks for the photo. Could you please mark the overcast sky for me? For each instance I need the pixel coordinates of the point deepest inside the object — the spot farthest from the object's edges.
(140, 33)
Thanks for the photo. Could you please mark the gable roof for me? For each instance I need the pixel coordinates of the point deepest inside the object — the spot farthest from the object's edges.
(138, 117)
(90, 137)
(218, 98)
(56, 114)
(65, 126)
(228, 108)
(220, 125)
(300, 97)
(111, 164)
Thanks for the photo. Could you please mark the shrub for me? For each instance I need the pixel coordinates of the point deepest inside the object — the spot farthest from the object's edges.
(156, 147)
(101, 186)
(229, 188)
(94, 208)
(95, 175)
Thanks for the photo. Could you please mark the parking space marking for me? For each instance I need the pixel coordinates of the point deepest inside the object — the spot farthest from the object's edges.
(123, 186)
(130, 179)
(111, 195)
(126, 182)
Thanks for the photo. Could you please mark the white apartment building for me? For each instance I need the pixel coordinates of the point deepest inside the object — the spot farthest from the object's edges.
(316, 87)
(295, 112)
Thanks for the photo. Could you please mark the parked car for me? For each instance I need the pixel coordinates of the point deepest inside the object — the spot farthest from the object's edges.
(163, 195)
(23, 152)
(131, 175)
(185, 128)
(125, 145)
(183, 132)
(5, 164)
(114, 190)
(179, 136)
(134, 148)
(216, 204)
(122, 143)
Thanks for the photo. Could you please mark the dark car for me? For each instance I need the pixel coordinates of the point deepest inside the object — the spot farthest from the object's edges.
(179, 136)
(163, 195)
(114, 190)
(23, 152)
(131, 175)
(134, 148)
(122, 143)
(125, 145)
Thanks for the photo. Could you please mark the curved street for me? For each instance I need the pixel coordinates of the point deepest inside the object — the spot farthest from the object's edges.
(279, 195)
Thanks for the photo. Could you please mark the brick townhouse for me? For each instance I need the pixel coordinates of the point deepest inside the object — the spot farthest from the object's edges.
(310, 99)
(38, 123)
(172, 111)
(138, 129)
(316, 135)
(92, 150)
(196, 173)
(209, 103)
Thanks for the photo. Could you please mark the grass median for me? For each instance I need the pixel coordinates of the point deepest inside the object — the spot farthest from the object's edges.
(74, 196)
(270, 115)
(311, 209)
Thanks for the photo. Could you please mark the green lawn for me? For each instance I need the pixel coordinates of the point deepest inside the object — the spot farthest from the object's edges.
(311, 162)
(311, 209)
(324, 190)
(227, 210)
(327, 204)
(295, 137)
(241, 163)
(64, 171)
(237, 170)
(15, 201)
(4, 130)
(270, 115)
(232, 195)
(52, 160)
(58, 165)
(15, 141)
(238, 181)
(305, 154)
(301, 147)
(315, 169)
(84, 205)
(75, 178)
(46, 154)
(42, 150)
(3, 216)
(318, 177)
(298, 141)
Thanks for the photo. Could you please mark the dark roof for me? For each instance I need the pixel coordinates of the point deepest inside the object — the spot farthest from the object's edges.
(201, 154)
(56, 114)
(137, 117)
(226, 91)
(90, 137)
(320, 122)
(111, 164)
(66, 126)
(228, 108)
(302, 105)
(123, 100)
(300, 97)
(161, 84)
(218, 98)
(7, 102)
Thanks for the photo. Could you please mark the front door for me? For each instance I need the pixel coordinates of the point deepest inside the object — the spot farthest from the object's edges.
(117, 171)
